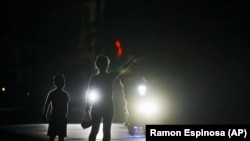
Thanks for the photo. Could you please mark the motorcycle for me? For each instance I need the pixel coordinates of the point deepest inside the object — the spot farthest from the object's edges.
(141, 108)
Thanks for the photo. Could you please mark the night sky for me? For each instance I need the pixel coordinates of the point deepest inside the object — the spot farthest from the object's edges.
(197, 51)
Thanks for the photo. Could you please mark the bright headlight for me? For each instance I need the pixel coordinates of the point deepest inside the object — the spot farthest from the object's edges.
(142, 90)
(147, 107)
(93, 95)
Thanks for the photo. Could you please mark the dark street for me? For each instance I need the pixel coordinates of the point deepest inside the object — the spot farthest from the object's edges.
(32, 132)
(194, 55)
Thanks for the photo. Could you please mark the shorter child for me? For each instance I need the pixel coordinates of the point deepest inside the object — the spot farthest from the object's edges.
(58, 99)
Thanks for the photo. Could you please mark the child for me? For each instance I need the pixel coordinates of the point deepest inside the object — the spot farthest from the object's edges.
(58, 99)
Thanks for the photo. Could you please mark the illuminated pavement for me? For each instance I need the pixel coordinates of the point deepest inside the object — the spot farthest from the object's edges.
(75, 133)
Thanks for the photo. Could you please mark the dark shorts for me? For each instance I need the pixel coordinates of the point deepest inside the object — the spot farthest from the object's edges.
(57, 126)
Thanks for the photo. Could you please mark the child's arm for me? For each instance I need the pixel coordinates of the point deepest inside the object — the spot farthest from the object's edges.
(87, 104)
(46, 106)
(67, 110)
(67, 106)
(125, 66)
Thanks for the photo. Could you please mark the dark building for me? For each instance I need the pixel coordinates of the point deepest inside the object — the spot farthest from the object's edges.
(40, 39)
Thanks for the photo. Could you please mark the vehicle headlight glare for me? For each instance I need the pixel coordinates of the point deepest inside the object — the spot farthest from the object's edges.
(93, 95)
(147, 108)
(142, 90)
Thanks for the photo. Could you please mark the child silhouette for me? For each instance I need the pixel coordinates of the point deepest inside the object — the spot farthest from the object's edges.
(58, 99)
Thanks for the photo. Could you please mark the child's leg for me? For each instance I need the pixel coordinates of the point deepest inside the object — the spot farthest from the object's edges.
(107, 121)
(52, 138)
(94, 129)
(107, 129)
(61, 138)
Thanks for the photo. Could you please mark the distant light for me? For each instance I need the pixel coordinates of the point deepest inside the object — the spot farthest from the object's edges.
(3, 89)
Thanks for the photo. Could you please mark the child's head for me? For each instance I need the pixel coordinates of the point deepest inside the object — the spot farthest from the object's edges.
(59, 80)
(102, 63)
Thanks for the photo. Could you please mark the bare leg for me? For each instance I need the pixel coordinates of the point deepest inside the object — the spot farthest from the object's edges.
(107, 129)
(94, 131)
(61, 138)
(52, 138)
(107, 121)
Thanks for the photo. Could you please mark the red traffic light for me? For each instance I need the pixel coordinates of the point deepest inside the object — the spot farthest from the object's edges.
(118, 48)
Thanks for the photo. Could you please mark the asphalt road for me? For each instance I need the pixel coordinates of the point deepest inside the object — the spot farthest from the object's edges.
(37, 132)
